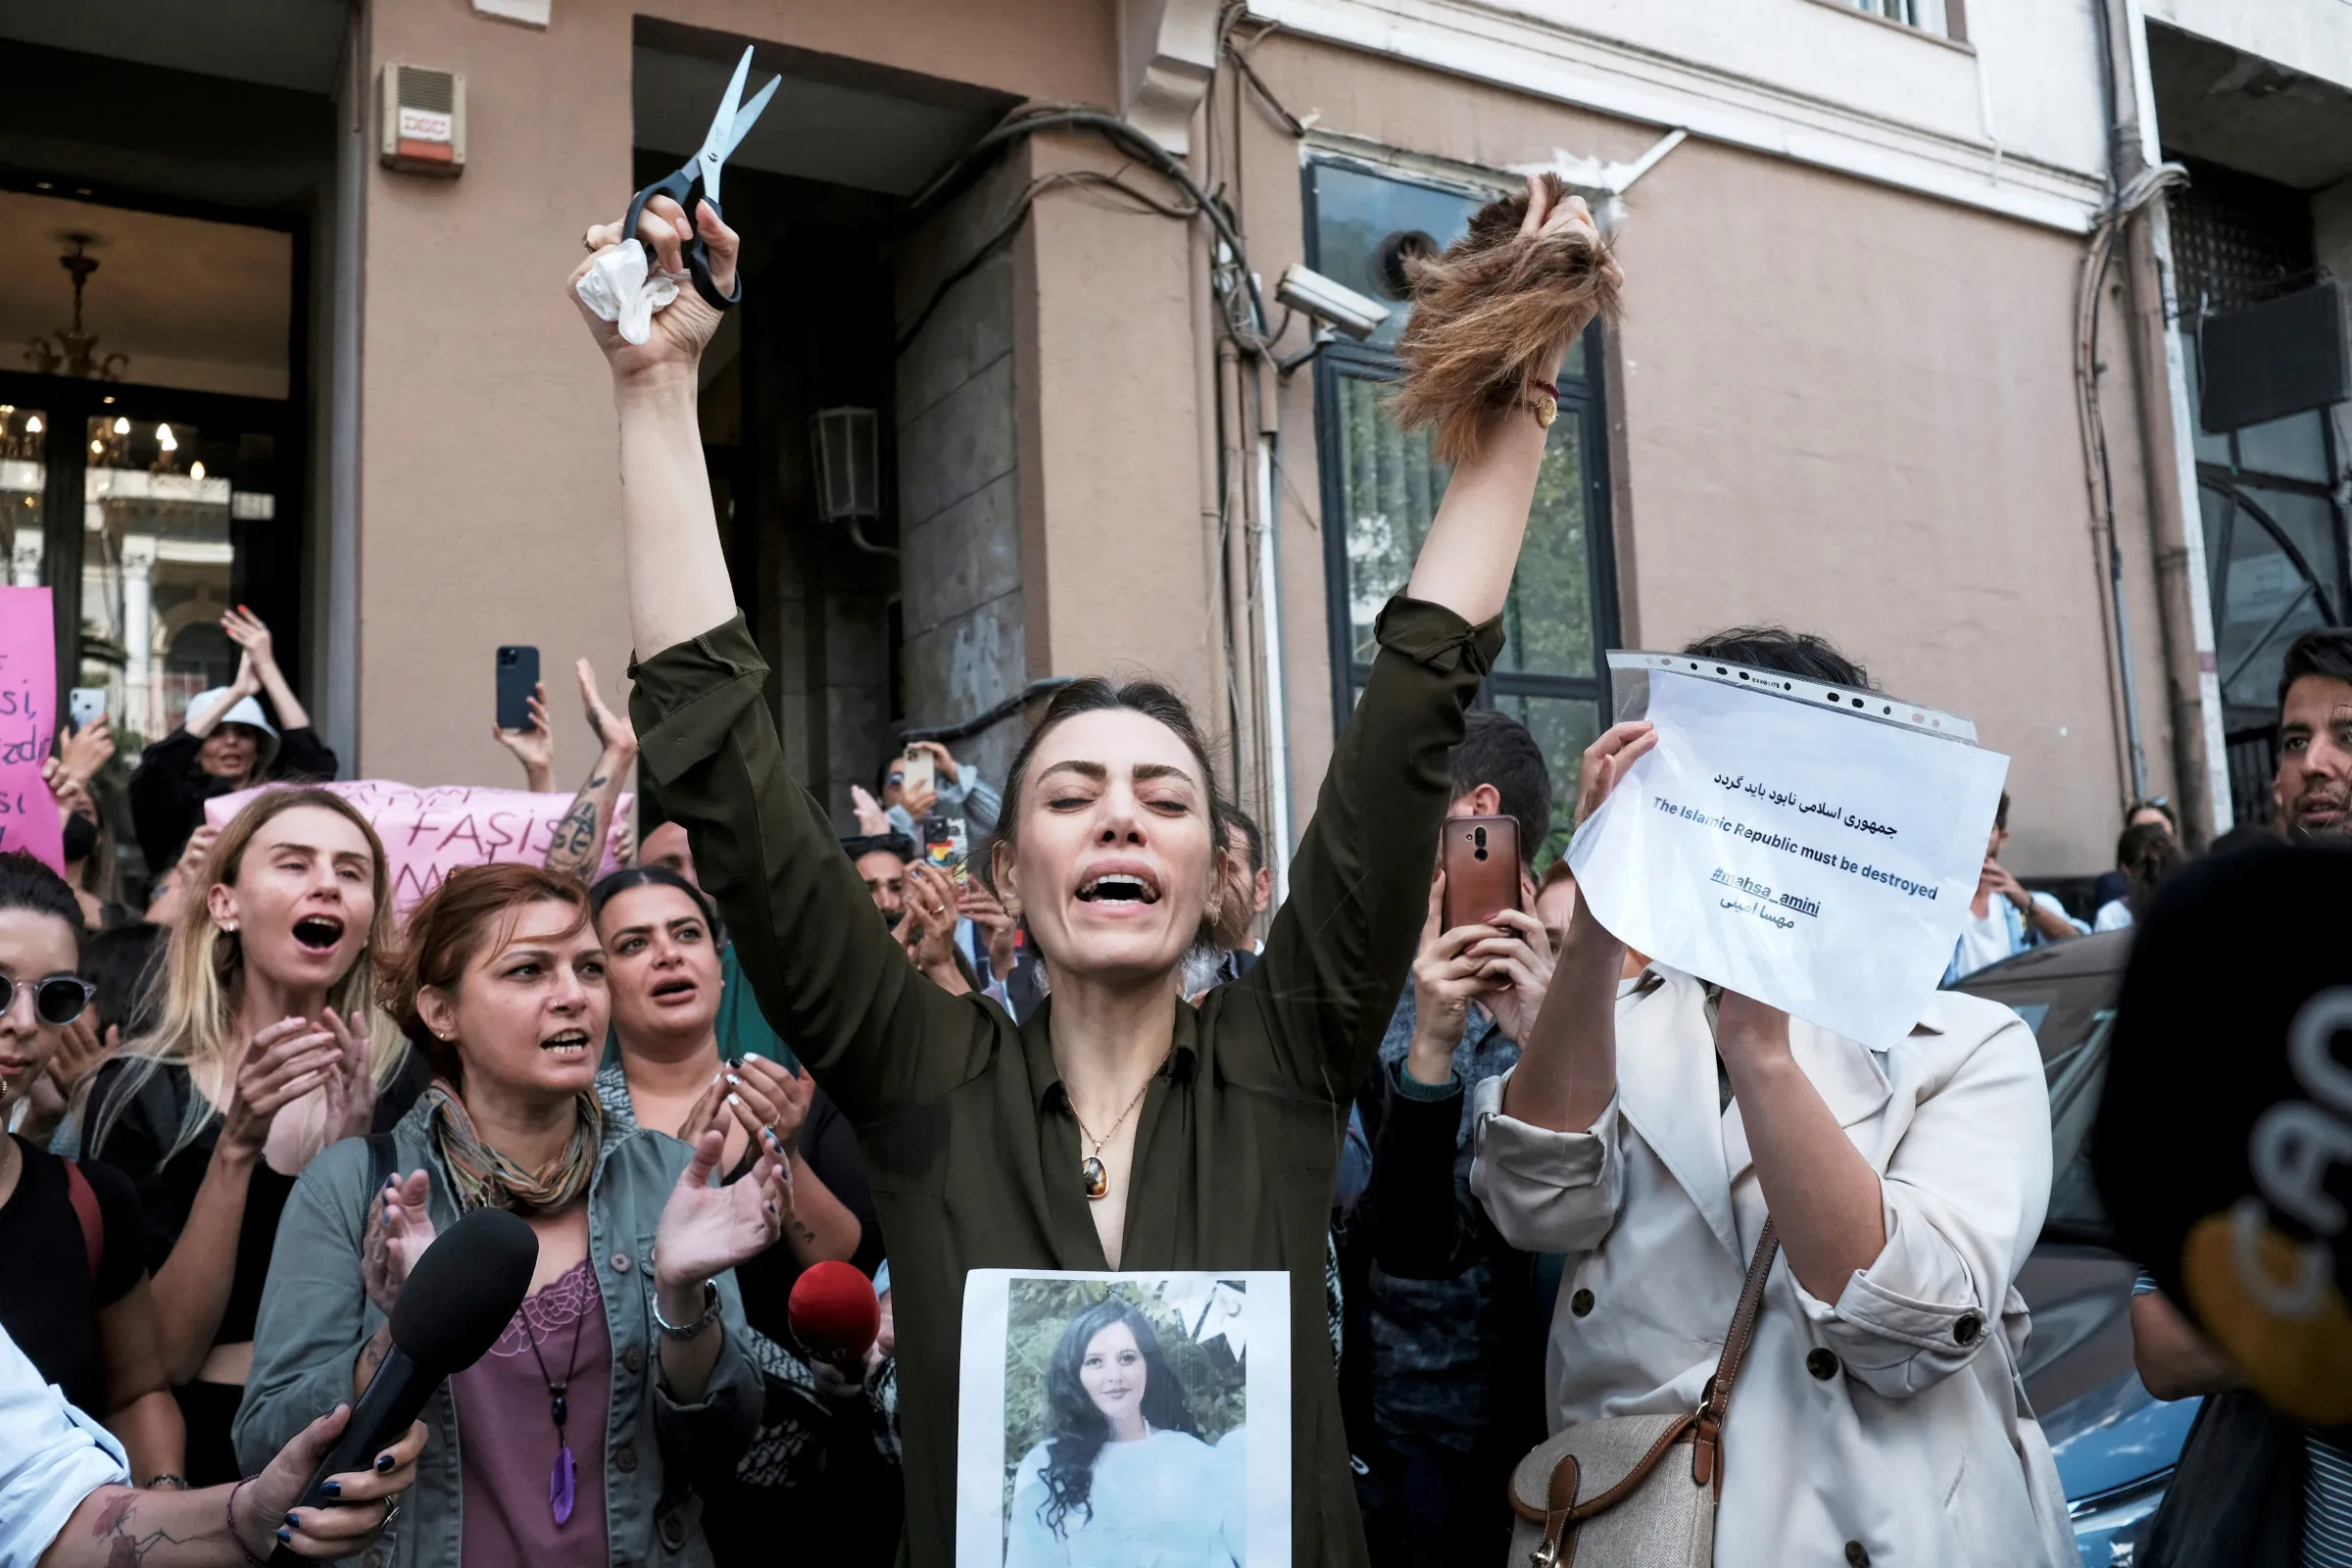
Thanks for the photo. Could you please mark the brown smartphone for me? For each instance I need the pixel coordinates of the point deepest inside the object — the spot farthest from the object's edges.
(1480, 855)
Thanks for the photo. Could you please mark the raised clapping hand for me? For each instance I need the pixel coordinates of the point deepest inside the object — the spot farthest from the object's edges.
(1001, 930)
(285, 1062)
(614, 731)
(872, 820)
(351, 1086)
(246, 630)
(81, 1049)
(762, 1095)
(706, 1230)
(681, 327)
(929, 926)
(399, 1230)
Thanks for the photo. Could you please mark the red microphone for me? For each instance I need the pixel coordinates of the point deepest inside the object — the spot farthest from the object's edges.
(834, 1314)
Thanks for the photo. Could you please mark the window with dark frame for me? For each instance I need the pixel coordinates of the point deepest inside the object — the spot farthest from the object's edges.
(2278, 541)
(1380, 486)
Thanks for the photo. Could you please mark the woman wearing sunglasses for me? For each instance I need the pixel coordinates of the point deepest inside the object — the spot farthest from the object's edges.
(73, 1294)
(265, 1048)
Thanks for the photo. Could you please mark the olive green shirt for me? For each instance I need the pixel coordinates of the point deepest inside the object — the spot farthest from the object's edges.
(965, 1126)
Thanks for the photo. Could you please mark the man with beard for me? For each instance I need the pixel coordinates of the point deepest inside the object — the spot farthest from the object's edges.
(2313, 787)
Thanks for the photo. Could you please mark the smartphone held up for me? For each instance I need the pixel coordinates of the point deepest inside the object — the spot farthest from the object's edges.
(1480, 856)
(517, 679)
(947, 847)
(918, 774)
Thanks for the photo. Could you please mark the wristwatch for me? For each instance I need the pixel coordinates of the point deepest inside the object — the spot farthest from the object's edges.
(687, 1331)
(166, 1481)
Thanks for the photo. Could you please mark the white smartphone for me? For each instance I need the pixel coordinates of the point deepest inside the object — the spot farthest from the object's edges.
(86, 705)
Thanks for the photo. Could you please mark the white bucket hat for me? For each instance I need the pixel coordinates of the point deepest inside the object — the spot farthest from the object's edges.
(246, 712)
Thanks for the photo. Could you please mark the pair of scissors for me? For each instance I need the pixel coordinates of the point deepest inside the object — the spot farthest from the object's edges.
(728, 127)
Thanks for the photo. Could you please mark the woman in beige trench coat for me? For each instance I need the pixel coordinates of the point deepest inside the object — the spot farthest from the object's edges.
(1646, 1133)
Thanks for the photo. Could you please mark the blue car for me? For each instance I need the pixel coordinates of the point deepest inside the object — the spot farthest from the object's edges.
(2116, 1443)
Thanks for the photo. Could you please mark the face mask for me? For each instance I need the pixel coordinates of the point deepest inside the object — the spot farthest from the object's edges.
(81, 837)
(890, 919)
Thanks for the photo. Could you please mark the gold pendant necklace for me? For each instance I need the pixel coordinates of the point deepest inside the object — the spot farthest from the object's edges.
(1093, 1174)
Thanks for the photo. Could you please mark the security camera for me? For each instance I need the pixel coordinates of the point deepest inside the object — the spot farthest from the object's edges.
(1340, 307)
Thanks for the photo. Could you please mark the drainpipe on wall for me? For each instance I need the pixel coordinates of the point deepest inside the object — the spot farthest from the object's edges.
(1269, 609)
(340, 626)
(2185, 611)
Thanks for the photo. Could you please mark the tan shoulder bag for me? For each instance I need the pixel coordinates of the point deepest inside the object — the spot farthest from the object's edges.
(1603, 1493)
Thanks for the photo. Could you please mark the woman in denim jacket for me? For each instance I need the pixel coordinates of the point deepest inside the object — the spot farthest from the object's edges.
(623, 1378)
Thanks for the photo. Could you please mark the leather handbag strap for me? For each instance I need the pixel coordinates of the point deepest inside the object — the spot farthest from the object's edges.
(1715, 1403)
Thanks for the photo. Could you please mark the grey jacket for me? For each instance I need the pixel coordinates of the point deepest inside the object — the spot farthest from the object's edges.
(315, 1315)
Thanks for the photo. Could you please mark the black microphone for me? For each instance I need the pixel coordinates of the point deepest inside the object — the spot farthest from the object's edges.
(454, 1303)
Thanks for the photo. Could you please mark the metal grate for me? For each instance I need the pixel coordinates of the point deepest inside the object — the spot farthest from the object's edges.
(2237, 239)
(435, 90)
(2253, 757)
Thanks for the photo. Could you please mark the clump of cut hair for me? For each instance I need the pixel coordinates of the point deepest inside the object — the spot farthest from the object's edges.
(1491, 316)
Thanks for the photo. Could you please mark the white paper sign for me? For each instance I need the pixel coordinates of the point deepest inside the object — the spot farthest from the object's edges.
(1124, 1419)
(1813, 848)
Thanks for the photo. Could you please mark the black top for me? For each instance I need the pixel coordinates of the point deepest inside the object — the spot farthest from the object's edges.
(49, 1304)
(963, 1121)
(168, 790)
(148, 1126)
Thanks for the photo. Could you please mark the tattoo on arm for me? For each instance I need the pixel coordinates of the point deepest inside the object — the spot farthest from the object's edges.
(128, 1538)
(371, 1357)
(575, 837)
(577, 844)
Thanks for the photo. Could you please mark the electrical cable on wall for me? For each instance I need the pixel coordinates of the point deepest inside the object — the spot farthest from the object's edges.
(1243, 322)
(2098, 469)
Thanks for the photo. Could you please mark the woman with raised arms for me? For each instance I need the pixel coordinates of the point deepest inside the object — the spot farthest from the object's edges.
(1115, 1128)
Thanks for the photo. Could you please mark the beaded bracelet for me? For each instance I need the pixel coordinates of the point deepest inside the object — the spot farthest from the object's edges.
(229, 1508)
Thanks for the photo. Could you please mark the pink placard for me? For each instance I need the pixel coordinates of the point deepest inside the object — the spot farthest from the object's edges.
(428, 833)
(28, 724)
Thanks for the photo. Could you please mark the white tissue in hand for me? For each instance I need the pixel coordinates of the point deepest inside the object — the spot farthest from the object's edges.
(620, 287)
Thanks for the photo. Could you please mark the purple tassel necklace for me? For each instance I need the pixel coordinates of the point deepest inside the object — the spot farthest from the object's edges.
(559, 1480)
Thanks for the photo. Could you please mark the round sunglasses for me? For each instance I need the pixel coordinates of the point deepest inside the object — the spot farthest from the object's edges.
(56, 999)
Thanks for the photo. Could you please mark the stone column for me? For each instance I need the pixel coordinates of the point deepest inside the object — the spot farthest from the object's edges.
(139, 634)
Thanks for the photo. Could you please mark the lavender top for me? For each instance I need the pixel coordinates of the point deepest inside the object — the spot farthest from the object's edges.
(509, 1471)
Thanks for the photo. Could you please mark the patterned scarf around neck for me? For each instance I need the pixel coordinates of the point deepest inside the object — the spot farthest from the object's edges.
(487, 1179)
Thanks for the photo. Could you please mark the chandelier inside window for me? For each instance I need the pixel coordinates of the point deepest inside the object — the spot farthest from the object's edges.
(72, 349)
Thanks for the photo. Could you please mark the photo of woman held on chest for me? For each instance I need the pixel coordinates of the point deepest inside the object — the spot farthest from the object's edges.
(1125, 1480)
